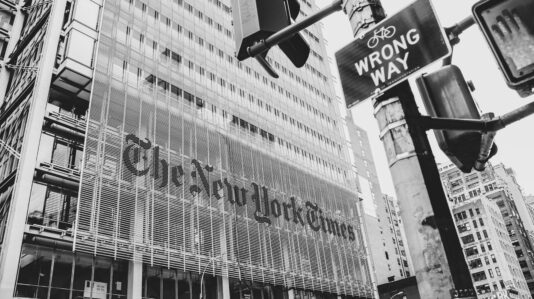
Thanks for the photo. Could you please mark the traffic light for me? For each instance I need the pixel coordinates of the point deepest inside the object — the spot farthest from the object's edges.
(446, 94)
(508, 26)
(256, 20)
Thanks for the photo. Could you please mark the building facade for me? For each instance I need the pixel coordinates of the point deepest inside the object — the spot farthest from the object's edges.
(402, 252)
(489, 253)
(384, 228)
(140, 159)
(490, 185)
(505, 178)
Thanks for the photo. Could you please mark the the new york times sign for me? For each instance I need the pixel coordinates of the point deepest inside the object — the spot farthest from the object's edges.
(137, 151)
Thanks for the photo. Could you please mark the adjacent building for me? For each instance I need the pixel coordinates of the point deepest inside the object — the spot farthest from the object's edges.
(495, 185)
(490, 255)
(140, 159)
(390, 256)
(401, 248)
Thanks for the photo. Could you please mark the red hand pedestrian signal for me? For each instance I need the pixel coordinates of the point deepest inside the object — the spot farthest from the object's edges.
(509, 29)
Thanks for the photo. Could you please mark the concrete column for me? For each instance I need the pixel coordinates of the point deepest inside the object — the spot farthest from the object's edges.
(223, 288)
(135, 269)
(135, 280)
(14, 36)
(430, 263)
(291, 294)
(16, 221)
(422, 202)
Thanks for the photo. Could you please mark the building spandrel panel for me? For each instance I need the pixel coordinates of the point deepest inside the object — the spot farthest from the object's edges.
(171, 180)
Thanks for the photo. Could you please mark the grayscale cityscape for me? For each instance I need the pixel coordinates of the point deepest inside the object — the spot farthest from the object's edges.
(266, 149)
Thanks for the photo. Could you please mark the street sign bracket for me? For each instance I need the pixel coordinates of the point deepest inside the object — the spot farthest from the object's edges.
(454, 32)
(479, 125)
(262, 46)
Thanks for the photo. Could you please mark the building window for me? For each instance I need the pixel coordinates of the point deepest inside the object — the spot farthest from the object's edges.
(478, 276)
(485, 288)
(471, 251)
(61, 272)
(468, 239)
(50, 207)
(476, 263)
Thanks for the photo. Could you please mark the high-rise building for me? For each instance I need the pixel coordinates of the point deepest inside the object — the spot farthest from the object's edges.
(493, 185)
(494, 267)
(380, 212)
(505, 178)
(140, 159)
(402, 253)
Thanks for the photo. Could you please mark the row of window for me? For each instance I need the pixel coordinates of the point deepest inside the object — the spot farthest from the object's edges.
(138, 41)
(277, 65)
(168, 23)
(485, 288)
(463, 215)
(473, 250)
(176, 92)
(170, 55)
(264, 134)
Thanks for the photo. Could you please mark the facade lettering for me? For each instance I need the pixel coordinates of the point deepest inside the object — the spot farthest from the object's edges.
(265, 208)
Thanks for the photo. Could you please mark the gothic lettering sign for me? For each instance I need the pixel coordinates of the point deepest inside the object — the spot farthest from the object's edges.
(137, 150)
(391, 51)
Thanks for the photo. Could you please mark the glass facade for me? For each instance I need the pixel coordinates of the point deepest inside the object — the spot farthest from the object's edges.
(45, 273)
(196, 163)
(157, 146)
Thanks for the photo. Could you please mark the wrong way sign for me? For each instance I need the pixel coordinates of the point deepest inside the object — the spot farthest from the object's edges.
(396, 47)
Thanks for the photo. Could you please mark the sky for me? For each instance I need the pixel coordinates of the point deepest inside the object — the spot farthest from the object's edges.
(474, 57)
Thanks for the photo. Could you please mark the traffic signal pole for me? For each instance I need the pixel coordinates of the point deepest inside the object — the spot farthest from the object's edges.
(439, 264)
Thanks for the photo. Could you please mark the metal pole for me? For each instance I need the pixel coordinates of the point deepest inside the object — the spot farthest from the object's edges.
(431, 236)
(460, 27)
(478, 125)
(516, 115)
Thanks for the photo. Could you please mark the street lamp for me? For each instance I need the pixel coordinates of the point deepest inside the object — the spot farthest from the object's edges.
(204, 271)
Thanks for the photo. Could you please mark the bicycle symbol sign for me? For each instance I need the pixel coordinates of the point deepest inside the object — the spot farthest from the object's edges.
(396, 48)
(381, 34)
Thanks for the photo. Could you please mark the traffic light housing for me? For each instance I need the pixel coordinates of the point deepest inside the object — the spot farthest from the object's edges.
(508, 26)
(256, 20)
(446, 94)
